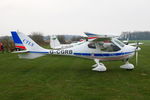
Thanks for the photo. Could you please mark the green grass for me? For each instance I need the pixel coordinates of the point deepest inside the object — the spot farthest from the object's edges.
(69, 78)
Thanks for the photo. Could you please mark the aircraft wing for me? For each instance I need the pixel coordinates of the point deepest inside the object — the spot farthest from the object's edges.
(88, 34)
(97, 37)
(23, 51)
(102, 38)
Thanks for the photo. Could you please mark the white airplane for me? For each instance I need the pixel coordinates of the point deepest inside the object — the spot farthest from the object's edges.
(55, 44)
(102, 48)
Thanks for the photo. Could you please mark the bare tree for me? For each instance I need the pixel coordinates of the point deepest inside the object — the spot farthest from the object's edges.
(76, 38)
(7, 43)
(61, 38)
(38, 37)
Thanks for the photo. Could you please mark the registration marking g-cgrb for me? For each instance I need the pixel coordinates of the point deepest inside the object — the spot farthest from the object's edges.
(60, 52)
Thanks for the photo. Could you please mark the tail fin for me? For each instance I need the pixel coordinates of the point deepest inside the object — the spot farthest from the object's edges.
(17, 41)
(33, 50)
(54, 42)
(25, 42)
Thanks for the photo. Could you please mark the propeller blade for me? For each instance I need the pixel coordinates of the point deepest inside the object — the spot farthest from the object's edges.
(137, 44)
(136, 52)
(127, 40)
(136, 58)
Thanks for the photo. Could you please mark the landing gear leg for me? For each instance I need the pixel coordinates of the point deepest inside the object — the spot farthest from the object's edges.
(99, 66)
(95, 65)
(127, 65)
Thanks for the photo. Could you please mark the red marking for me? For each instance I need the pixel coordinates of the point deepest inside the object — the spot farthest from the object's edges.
(92, 37)
(22, 47)
(82, 40)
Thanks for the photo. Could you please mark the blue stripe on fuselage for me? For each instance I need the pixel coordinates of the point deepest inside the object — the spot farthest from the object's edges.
(37, 52)
(90, 34)
(82, 54)
(102, 54)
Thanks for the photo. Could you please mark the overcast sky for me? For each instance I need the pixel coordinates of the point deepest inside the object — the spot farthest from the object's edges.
(74, 16)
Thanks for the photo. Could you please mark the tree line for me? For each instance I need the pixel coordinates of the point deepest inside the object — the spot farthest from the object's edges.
(137, 35)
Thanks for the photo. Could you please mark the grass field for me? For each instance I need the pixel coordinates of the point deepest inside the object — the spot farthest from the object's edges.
(69, 78)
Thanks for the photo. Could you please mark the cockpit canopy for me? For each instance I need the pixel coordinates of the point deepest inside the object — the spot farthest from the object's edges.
(107, 45)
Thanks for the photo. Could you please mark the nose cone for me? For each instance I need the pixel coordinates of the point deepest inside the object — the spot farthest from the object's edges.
(128, 48)
(133, 48)
(137, 48)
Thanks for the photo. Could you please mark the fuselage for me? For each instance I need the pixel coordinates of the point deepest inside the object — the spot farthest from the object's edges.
(84, 50)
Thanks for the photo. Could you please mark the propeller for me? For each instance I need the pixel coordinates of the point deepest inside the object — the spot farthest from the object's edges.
(127, 41)
(136, 52)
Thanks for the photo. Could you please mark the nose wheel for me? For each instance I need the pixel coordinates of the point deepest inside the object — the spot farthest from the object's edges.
(127, 66)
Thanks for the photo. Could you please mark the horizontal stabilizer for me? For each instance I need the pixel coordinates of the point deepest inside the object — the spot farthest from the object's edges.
(30, 55)
(23, 51)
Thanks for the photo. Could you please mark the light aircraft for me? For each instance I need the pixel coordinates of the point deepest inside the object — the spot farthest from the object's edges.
(99, 48)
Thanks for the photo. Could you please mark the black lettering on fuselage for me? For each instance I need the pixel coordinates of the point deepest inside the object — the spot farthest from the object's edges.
(51, 52)
(70, 51)
(60, 52)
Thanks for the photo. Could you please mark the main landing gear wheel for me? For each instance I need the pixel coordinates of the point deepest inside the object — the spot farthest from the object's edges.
(99, 66)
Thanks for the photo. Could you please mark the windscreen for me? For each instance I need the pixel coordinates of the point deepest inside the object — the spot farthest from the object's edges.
(121, 44)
